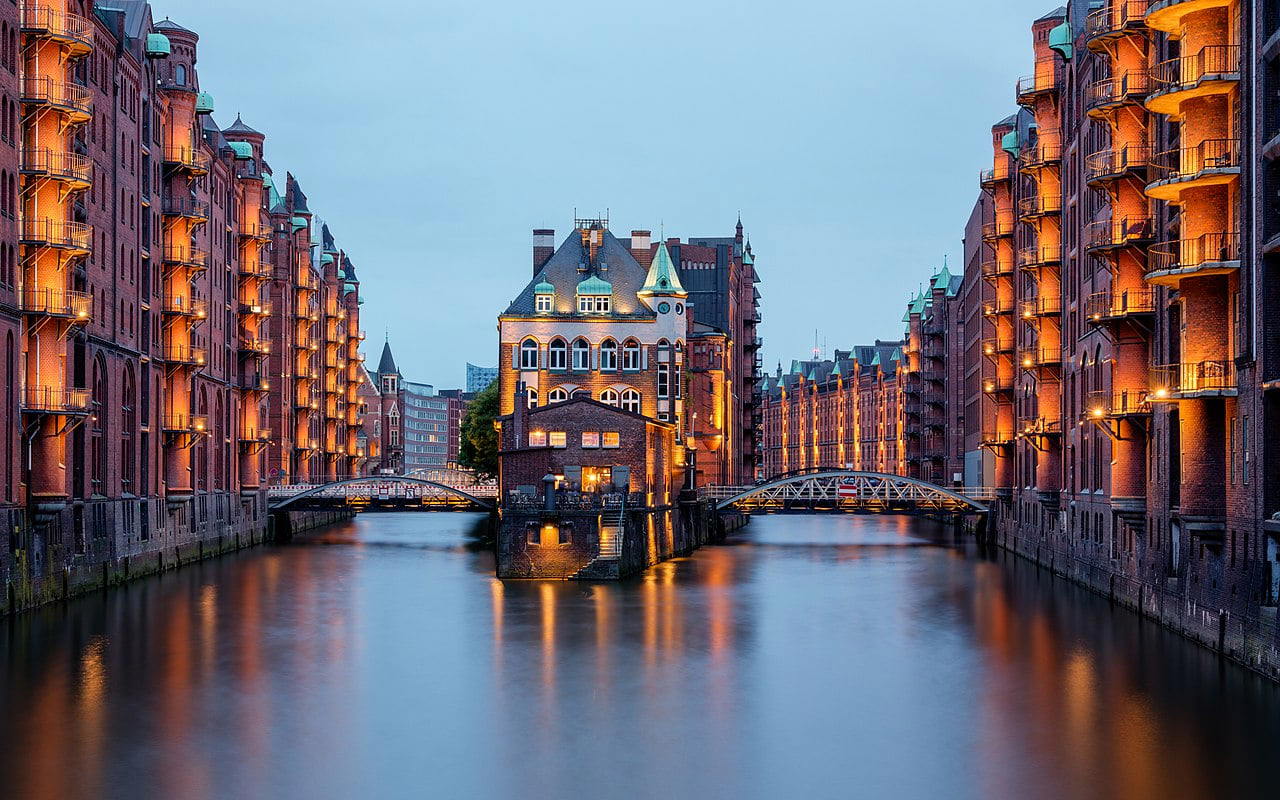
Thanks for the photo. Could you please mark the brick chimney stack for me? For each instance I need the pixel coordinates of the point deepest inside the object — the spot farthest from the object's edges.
(544, 245)
(640, 241)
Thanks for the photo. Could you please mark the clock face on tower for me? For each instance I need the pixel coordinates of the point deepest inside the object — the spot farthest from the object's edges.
(664, 308)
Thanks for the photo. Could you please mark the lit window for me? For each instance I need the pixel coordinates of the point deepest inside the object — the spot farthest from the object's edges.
(609, 397)
(537, 438)
(631, 401)
(590, 439)
(594, 303)
(542, 303)
(581, 355)
(528, 354)
(608, 355)
(558, 354)
(558, 439)
(557, 395)
(631, 355)
(610, 439)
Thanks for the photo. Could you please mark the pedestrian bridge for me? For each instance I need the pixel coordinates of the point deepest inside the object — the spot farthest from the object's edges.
(833, 489)
(436, 490)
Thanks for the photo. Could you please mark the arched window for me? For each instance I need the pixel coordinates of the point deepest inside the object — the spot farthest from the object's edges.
(631, 401)
(220, 452)
(200, 453)
(180, 75)
(631, 355)
(557, 395)
(128, 430)
(609, 397)
(532, 394)
(11, 408)
(608, 355)
(528, 354)
(98, 430)
(581, 354)
(559, 354)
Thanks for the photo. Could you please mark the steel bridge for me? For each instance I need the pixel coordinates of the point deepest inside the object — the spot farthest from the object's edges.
(834, 489)
(435, 490)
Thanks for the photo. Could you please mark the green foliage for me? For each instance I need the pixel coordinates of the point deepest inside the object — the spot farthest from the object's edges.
(478, 448)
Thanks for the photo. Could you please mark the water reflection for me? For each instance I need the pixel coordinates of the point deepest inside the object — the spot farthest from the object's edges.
(811, 656)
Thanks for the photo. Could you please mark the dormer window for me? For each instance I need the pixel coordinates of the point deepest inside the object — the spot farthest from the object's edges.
(594, 304)
(544, 297)
(542, 303)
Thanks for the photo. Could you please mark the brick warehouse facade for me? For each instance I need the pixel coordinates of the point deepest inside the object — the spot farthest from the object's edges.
(162, 308)
(1115, 338)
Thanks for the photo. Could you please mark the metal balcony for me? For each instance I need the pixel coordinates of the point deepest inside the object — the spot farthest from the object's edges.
(76, 237)
(1213, 70)
(1037, 307)
(254, 230)
(191, 160)
(1209, 254)
(1116, 18)
(1101, 308)
(1193, 379)
(1039, 206)
(184, 423)
(1103, 97)
(52, 400)
(1167, 15)
(185, 306)
(1000, 172)
(59, 303)
(997, 346)
(997, 307)
(259, 309)
(76, 102)
(1109, 165)
(254, 383)
(1112, 405)
(1212, 162)
(1031, 358)
(995, 267)
(1039, 257)
(1043, 81)
(997, 438)
(184, 355)
(73, 169)
(998, 385)
(1042, 426)
(250, 345)
(1001, 226)
(186, 208)
(255, 436)
(1040, 156)
(72, 32)
(189, 257)
(1108, 235)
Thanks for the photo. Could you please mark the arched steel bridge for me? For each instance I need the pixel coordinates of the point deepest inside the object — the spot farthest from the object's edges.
(447, 492)
(848, 490)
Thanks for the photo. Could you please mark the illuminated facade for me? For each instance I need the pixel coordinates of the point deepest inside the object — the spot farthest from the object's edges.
(142, 275)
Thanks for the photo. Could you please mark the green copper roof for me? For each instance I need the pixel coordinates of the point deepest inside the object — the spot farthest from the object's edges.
(299, 223)
(326, 258)
(941, 278)
(348, 288)
(595, 285)
(158, 45)
(662, 277)
(1060, 40)
(1009, 143)
(243, 150)
(542, 287)
(875, 362)
(204, 103)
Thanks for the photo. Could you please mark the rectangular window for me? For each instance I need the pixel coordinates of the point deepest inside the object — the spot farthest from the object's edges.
(610, 439)
(664, 381)
(558, 439)
(590, 439)
(603, 303)
(584, 305)
(537, 438)
(543, 302)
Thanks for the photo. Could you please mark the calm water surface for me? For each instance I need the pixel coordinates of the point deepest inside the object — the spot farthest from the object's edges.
(813, 657)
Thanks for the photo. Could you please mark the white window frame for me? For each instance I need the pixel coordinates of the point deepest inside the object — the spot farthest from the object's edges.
(558, 351)
(537, 438)
(543, 303)
(610, 397)
(582, 364)
(557, 395)
(529, 355)
(608, 356)
(631, 356)
(631, 401)
(558, 439)
(591, 440)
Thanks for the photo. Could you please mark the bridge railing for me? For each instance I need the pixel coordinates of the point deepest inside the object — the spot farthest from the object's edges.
(379, 488)
(566, 499)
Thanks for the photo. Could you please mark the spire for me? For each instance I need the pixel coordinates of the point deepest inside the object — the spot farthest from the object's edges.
(387, 364)
(662, 277)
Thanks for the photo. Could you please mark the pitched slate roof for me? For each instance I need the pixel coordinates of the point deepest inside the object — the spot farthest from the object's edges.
(624, 273)
(387, 364)
(239, 127)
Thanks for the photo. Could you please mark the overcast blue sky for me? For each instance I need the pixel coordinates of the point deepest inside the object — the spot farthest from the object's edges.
(434, 136)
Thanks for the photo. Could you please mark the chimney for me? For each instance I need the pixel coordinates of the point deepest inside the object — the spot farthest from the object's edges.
(640, 247)
(544, 245)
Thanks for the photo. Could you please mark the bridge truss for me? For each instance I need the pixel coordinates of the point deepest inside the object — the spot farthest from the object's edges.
(398, 491)
(848, 490)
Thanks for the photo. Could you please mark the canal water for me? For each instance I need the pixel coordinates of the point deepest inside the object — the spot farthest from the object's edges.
(811, 657)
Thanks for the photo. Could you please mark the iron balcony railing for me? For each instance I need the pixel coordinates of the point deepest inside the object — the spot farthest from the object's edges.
(1039, 205)
(1115, 163)
(1001, 226)
(993, 266)
(1113, 19)
(997, 306)
(254, 383)
(184, 423)
(1216, 250)
(191, 257)
(1047, 306)
(987, 178)
(1038, 256)
(53, 400)
(191, 159)
(1214, 62)
(254, 230)
(258, 309)
(1170, 381)
(1124, 403)
(1031, 357)
(1189, 163)
(1043, 79)
(1108, 305)
(68, 98)
(255, 345)
(188, 207)
(997, 345)
(254, 269)
(184, 354)
(62, 303)
(185, 306)
(997, 383)
(57, 164)
(997, 438)
(1042, 426)
(1040, 155)
(255, 435)
(1108, 234)
(71, 30)
(44, 232)
(1108, 94)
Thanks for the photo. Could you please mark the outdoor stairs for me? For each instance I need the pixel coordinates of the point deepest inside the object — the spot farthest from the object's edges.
(605, 564)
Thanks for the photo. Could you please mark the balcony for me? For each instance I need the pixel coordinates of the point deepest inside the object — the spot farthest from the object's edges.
(255, 268)
(254, 383)
(1039, 206)
(52, 400)
(1108, 235)
(1211, 163)
(75, 237)
(258, 309)
(185, 306)
(1043, 81)
(250, 345)
(308, 280)
(1039, 427)
(72, 169)
(191, 160)
(995, 267)
(1101, 308)
(1038, 307)
(186, 208)
(59, 303)
(1040, 156)
(1111, 165)
(1031, 358)
(1113, 405)
(1032, 258)
(998, 385)
(1002, 226)
(1166, 15)
(75, 102)
(185, 423)
(1213, 70)
(188, 257)
(996, 346)
(997, 307)
(997, 438)
(988, 178)
(184, 355)
(73, 33)
(1117, 18)
(1210, 254)
(254, 230)
(254, 436)
(1103, 97)
(1190, 380)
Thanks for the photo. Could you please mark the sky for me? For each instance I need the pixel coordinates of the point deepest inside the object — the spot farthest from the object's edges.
(434, 136)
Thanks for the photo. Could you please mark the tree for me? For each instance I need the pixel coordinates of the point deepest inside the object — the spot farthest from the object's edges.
(478, 448)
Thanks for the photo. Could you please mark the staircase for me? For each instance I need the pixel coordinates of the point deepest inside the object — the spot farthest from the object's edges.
(609, 551)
